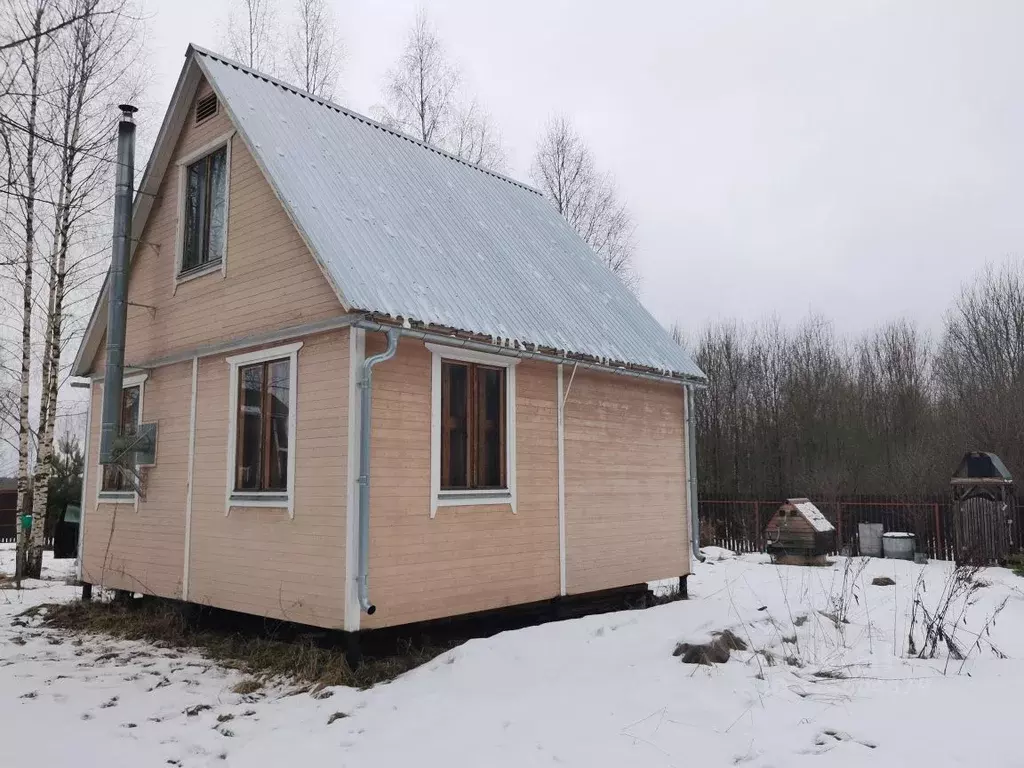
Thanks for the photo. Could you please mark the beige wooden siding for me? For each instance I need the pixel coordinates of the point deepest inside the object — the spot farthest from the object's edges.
(467, 558)
(143, 550)
(258, 560)
(625, 493)
(271, 280)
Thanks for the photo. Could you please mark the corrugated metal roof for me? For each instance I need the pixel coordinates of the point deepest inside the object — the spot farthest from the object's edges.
(407, 231)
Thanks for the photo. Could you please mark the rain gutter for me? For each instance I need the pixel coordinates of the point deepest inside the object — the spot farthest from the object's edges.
(524, 354)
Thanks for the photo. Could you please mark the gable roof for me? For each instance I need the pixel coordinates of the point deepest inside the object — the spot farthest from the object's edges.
(404, 230)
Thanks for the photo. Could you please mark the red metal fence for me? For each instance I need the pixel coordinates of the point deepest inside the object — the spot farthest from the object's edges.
(738, 524)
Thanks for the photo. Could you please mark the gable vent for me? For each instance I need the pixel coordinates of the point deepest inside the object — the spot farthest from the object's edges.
(206, 107)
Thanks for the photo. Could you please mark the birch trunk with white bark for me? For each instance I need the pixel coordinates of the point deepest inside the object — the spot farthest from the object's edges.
(24, 428)
(79, 70)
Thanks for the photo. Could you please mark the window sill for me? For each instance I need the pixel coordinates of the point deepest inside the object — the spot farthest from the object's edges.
(192, 274)
(106, 497)
(263, 500)
(483, 498)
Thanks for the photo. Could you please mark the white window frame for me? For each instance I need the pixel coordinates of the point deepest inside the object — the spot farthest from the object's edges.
(274, 499)
(465, 498)
(179, 240)
(113, 497)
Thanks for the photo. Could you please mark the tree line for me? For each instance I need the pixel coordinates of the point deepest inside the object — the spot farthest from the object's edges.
(793, 411)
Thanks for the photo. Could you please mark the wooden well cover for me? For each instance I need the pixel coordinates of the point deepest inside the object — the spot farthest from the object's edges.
(798, 527)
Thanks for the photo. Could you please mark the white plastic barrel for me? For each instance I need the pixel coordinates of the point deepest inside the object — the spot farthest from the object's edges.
(899, 546)
(870, 539)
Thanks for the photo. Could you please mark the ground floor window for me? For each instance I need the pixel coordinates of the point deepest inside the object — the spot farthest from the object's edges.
(473, 410)
(473, 428)
(262, 424)
(262, 436)
(116, 480)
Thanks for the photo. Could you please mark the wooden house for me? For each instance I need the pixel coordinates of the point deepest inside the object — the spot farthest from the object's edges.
(527, 430)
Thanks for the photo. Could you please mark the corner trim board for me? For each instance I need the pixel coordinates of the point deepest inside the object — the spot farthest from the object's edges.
(85, 484)
(189, 483)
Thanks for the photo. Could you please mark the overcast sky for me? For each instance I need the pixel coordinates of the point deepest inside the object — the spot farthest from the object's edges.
(857, 159)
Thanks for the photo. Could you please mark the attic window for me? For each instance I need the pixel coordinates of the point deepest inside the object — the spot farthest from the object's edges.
(205, 202)
(206, 107)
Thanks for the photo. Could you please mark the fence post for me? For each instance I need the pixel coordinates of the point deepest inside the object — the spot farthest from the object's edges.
(938, 531)
(839, 521)
(757, 526)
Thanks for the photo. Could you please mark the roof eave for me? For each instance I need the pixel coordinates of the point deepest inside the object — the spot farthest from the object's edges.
(527, 348)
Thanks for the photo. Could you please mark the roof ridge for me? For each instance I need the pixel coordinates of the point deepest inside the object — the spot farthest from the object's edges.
(356, 115)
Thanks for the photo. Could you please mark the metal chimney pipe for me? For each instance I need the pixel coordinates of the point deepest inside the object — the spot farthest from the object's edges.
(117, 282)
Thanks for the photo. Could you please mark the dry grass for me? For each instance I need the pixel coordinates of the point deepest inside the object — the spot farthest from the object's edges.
(262, 658)
(246, 686)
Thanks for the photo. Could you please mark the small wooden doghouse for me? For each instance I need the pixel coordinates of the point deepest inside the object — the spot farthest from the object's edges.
(798, 530)
(984, 505)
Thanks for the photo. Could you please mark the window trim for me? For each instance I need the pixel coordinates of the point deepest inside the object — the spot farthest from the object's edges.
(114, 497)
(471, 497)
(183, 163)
(269, 499)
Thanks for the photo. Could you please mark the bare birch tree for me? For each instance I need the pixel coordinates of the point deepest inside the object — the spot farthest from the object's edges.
(420, 91)
(57, 151)
(91, 65)
(423, 97)
(315, 51)
(31, 24)
(565, 170)
(250, 34)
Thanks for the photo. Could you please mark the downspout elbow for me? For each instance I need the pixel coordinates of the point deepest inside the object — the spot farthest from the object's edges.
(365, 407)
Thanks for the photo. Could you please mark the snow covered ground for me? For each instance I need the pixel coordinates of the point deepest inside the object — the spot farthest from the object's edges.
(598, 691)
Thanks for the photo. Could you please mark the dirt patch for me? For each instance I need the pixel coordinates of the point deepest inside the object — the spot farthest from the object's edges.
(883, 581)
(262, 658)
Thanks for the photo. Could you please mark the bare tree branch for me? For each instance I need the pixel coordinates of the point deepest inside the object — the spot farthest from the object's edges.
(423, 98)
(566, 172)
(250, 34)
(315, 52)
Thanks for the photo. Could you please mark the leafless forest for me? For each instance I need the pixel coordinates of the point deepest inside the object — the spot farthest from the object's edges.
(804, 411)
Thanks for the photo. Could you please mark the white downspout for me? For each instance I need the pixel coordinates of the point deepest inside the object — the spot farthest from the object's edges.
(691, 475)
(365, 410)
(561, 484)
